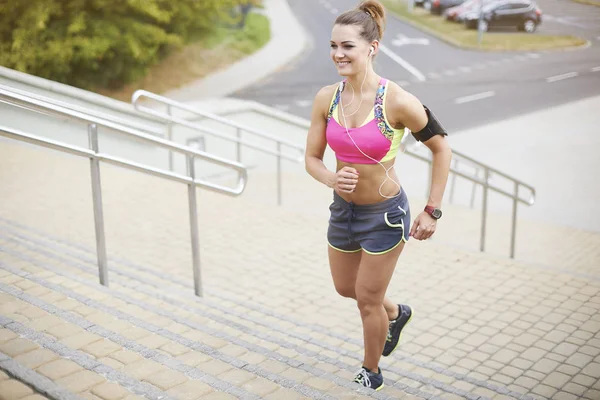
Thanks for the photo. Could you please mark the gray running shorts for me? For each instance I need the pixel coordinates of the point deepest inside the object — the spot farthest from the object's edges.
(375, 228)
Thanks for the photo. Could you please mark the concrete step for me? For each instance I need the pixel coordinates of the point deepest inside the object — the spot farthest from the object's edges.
(42, 362)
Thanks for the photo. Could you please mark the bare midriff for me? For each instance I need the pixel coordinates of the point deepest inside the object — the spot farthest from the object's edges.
(370, 178)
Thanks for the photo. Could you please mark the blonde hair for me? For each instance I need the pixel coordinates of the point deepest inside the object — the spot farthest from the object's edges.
(369, 15)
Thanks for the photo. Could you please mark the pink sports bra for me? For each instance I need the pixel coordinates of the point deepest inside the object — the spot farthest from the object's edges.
(375, 137)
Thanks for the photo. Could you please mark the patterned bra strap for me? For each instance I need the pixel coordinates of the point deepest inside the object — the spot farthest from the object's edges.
(336, 99)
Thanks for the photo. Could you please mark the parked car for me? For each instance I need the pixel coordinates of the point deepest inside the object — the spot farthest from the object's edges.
(452, 13)
(438, 7)
(458, 13)
(524, 15)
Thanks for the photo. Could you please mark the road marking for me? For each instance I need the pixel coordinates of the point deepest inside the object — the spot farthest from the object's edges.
(479, 65)
(561, 77)
(449, 72)
(401, 40)
(564, 21)
(303, 103)
(474, 97)
(434, 75)
(282, 107)
(596, 69)
(415, 72)
(533, 55)
(465, 69)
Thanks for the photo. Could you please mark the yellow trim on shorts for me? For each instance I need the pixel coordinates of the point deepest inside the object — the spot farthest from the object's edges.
(386, 251)
(344, 251)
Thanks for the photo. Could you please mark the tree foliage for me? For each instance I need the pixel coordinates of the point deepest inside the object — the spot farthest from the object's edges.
(90, 43)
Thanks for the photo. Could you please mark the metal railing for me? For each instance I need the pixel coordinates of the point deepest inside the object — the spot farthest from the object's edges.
(156, 131)
(95, 156)
(171, 120)
(485, 181)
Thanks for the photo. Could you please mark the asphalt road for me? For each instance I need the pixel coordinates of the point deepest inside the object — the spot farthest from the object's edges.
(464, 88)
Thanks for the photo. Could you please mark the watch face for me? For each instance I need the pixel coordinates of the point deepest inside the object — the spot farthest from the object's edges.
(437, 213)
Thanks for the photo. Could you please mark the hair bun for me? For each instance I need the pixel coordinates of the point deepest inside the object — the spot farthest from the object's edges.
(376, 10)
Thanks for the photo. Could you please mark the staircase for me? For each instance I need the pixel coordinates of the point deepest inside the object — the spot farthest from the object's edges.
(270, 324)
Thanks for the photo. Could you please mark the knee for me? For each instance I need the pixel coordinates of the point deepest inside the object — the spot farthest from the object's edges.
(368, 301)
(346, 291)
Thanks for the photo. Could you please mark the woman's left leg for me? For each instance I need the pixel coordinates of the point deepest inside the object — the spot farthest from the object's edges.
(374, 275)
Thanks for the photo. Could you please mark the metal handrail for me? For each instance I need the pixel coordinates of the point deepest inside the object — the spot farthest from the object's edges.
(95, 157)
(122, 121)
(170, 119)
(484, 182)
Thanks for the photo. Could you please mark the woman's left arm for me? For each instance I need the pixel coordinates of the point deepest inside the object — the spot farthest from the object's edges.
(424, 226)
(411, 113)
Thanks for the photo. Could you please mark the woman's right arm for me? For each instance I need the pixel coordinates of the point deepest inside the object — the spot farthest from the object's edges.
(345, 180)
(316, 142)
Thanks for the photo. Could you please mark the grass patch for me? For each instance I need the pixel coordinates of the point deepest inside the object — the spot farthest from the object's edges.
(196, 60)
(590, 2)
(460, 36)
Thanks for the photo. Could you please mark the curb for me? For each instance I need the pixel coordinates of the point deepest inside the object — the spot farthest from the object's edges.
(288, 41)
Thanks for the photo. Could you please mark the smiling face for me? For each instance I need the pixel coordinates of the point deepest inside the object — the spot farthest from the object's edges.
(349, 51)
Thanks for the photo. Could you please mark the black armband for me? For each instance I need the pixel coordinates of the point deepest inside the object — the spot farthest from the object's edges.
(433, 127)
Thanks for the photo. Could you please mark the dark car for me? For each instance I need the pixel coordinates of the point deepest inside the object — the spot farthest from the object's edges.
(438, 7)
(524, 15)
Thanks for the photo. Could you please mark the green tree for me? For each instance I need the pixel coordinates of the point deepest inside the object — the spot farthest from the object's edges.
(88, 43)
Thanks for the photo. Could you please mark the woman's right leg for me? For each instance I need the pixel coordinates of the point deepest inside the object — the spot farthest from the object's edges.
(344, 268)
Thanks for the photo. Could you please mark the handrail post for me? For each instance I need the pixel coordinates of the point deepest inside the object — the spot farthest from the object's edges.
(170, 137)
(97, 201)
(514, 222)
(194, 226)
(484, 209)
(238, 152)
(278, 173)
(474, 189)
(453, 182)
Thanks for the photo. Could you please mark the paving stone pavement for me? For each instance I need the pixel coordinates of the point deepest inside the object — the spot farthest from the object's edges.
(13, 388)
(270, 324)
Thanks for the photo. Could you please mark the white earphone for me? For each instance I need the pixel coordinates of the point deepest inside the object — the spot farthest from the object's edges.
(387, 170)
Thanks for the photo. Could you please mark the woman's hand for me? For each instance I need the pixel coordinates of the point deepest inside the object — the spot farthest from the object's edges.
(423, 227)
(346, 180)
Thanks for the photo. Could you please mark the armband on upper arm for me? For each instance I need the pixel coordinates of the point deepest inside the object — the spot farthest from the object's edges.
(433, 127)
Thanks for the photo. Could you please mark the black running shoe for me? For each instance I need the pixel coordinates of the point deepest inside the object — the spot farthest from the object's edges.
(370, 379)
(395, 329)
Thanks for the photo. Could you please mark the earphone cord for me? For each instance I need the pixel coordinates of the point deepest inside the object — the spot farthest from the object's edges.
(387, 170)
